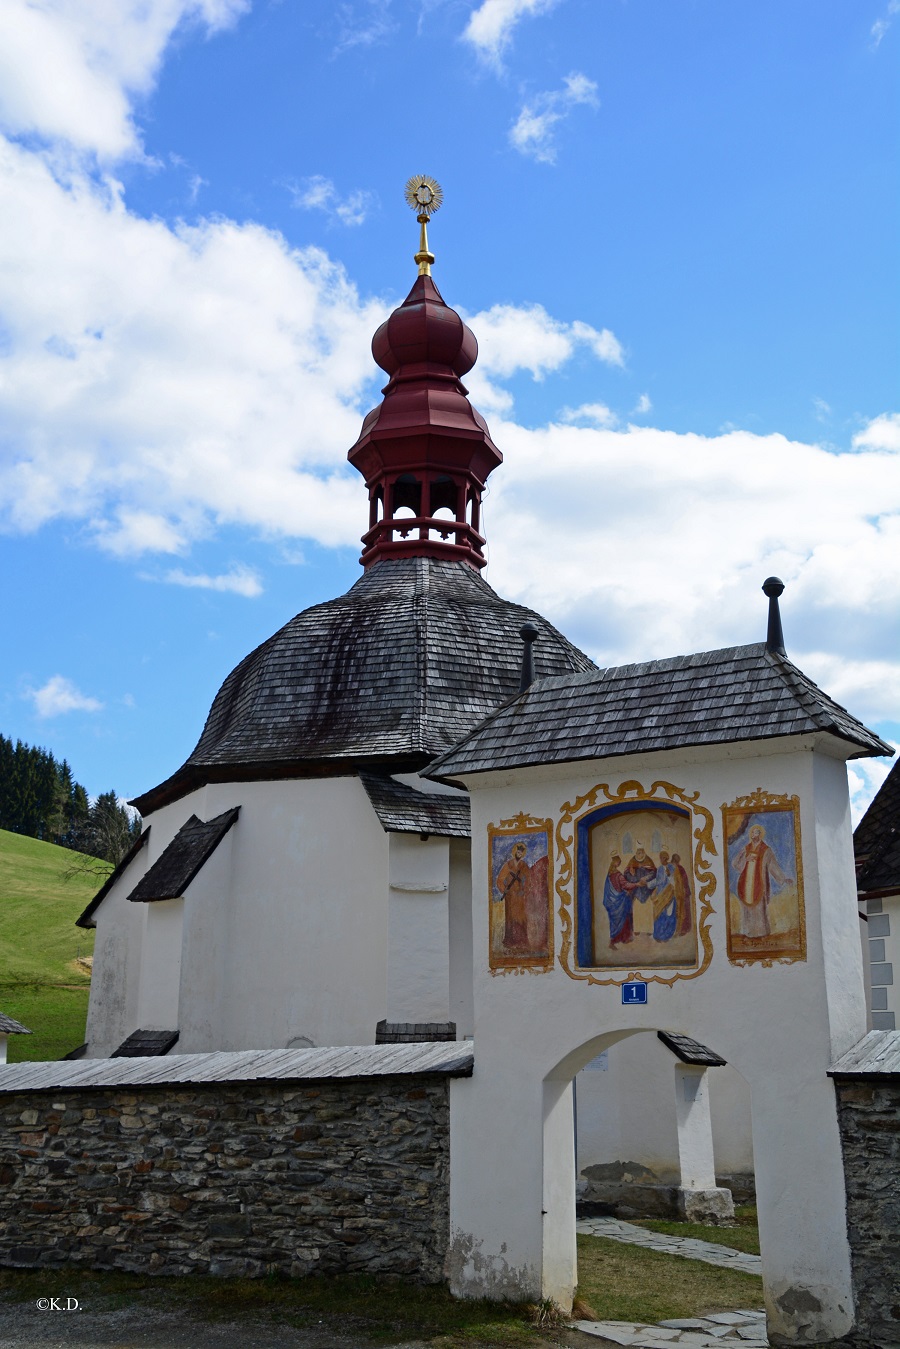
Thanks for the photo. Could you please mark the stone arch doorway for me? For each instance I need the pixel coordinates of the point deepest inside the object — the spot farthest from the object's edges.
(662, 1130)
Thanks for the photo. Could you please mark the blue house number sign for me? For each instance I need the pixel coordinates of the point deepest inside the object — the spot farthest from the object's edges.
(634, 993)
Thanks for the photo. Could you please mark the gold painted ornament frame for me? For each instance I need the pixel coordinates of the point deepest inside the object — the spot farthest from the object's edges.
(518, 828)
(762, 802)
(660, 793)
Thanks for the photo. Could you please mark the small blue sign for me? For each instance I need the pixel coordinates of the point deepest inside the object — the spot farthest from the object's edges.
(634, 993)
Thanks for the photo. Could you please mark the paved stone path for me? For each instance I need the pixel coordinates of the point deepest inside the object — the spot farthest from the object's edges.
(745, 1328)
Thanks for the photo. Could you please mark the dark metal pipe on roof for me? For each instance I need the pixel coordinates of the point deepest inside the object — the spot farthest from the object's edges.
(773, 587)
(529, 634)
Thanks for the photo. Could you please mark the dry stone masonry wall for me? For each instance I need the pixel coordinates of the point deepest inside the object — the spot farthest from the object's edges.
(869, 1113)
(234, 1179)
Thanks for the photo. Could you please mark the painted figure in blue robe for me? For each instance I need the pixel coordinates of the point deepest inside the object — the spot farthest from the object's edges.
(665, 905)
(617, 901)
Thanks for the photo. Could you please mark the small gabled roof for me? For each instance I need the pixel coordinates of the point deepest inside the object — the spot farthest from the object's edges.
(403, 810)
(84, 920)
(691, 1051)
(146, 1044)
(8, 1026)
(876, 841)
(190, 849)
(712, 698)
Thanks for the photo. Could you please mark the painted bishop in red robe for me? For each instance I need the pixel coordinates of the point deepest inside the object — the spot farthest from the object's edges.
(757, 868)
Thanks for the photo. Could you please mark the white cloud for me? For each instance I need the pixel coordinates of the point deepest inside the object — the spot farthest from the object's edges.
(68, 71)
(320, 194)
(490, 26)
(865, 777)
(882, 24)
(239, 580)
(525, 337)
(160, 382)
(60, 695)
(643, 543)
(882, 433)
(363, 25)
(821, 410)
(643, 406)
(596, 414)
(533, 132)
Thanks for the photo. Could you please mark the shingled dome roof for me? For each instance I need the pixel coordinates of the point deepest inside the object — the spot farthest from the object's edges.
(391, 674)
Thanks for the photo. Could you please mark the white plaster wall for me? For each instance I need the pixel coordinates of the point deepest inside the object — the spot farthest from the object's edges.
(730, 1109)
(626, 1114)
(462, 1007)
(285, 928)
(418, 982)
(780, 1027)
(116, 973)
(158, 996)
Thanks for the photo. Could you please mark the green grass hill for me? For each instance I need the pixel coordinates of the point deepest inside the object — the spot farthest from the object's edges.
(41, 982)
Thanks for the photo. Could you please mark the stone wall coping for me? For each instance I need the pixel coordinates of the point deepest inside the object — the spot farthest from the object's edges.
(444, 1058)
(877, 1054)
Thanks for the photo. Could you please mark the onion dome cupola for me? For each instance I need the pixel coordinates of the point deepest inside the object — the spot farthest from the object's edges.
(420, 649)
(424, 452)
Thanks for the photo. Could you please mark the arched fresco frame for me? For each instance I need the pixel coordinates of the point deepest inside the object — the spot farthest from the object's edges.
(663, 794)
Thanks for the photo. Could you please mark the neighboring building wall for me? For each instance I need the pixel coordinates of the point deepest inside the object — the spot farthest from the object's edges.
(869, 1116)
(235, 1180)
(884, 958)
(462, 1010)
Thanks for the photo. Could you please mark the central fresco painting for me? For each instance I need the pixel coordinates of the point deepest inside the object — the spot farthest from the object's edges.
(635, 887)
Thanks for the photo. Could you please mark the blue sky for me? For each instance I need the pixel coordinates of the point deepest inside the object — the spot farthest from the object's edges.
(671, 224)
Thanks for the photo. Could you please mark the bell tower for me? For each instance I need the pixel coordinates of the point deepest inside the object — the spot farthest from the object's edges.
(425, 452)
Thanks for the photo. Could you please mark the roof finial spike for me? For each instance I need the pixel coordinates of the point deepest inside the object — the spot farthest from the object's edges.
(773, 587)
(424, 195)
(529, 634)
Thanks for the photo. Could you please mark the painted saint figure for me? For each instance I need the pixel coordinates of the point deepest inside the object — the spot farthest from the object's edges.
(641, 875)
(617, 902)
(757, 868)
(682, 883)
(665, 906)
(511, 881)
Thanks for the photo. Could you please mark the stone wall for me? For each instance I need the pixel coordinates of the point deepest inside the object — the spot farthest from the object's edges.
(869, 1114)
(229, 1179)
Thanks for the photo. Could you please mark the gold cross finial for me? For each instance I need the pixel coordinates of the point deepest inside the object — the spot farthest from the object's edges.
(424, 195)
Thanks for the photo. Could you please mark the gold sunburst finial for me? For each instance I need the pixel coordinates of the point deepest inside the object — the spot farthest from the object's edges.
(425, 196)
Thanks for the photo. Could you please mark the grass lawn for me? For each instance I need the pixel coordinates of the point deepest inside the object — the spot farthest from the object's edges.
(41, 984)
(379, 1311)
(744, 1236)
(627, 1283)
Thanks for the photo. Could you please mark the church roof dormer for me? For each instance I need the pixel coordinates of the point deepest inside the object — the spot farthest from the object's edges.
(425, 452)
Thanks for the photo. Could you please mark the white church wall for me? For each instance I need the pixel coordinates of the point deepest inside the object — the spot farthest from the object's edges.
(418, 980)
(160, 978)
(779, 1027)
(285, 928)
(626, 1115)
(730, 1109)
(116, 975)
(205, 994)
(462, 1007)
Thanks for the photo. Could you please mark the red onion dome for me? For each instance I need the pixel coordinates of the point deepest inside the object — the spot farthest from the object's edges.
(424, 331)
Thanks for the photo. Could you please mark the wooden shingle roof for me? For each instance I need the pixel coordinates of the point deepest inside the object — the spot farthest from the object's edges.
(403, 810)
(876, 840)
(179, 863)
(389, 675)
(713, 698)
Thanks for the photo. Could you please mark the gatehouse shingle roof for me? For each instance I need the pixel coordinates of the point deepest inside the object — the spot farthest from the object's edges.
(876, 841)
(179, 863)
(712, 698)
(393, 673)
(453, 1059)
(403, 810)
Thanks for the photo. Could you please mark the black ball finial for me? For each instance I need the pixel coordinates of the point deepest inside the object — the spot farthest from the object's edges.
(773, 586)
(529, 634)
